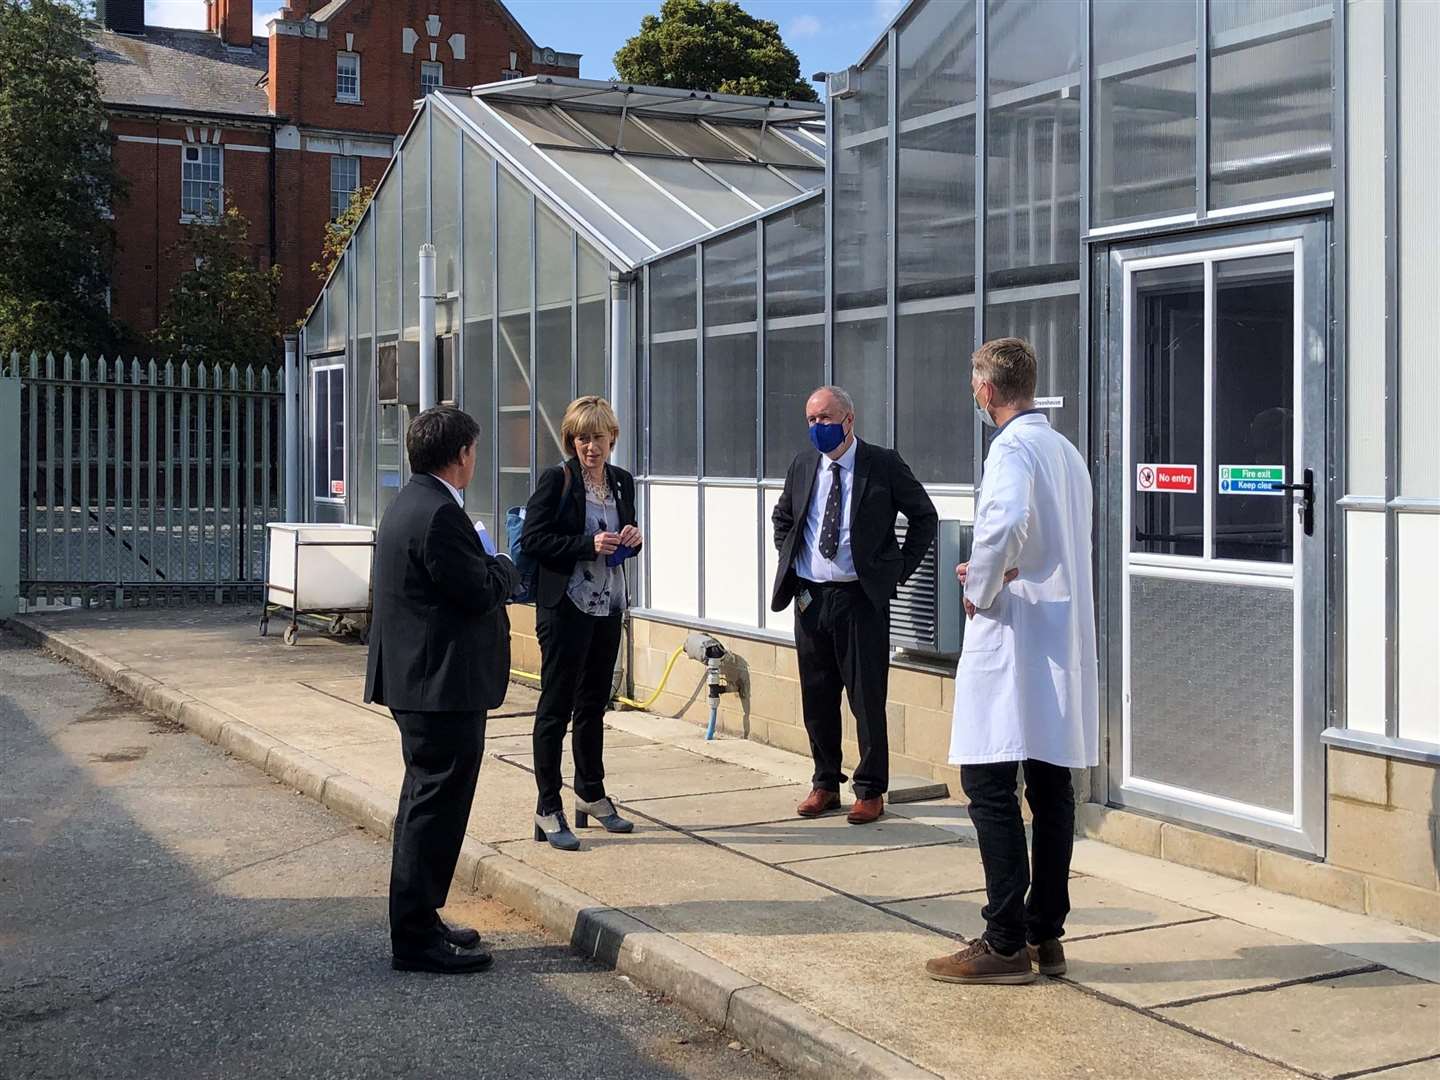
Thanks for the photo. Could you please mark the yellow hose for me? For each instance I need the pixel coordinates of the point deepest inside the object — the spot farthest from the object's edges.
(664, 678)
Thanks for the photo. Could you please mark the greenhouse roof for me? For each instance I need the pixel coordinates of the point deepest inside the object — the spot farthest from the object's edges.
(642, 170)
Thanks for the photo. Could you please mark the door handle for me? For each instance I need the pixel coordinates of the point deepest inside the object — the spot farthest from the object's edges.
(1307, 493)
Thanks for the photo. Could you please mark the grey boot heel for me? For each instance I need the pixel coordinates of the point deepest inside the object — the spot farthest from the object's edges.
(603, 811)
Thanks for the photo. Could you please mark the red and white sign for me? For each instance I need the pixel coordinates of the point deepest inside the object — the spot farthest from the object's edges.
(1181, 479)
(337, 488)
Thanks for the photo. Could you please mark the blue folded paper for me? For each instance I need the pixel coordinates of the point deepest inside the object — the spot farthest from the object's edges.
(619, 555)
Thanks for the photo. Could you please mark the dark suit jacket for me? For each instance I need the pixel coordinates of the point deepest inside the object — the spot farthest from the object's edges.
(884, 487)
(555, 535)
(439, 633)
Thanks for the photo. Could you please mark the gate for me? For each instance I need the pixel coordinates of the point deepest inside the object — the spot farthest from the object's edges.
(145, 482)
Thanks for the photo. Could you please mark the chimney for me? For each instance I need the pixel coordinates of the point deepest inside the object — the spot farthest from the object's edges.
(233, 20)
(122, 16)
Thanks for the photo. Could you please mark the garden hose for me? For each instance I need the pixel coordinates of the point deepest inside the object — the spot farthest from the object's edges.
(664, 678)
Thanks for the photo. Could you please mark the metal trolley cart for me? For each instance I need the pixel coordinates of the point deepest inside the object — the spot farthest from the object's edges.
(316, 569)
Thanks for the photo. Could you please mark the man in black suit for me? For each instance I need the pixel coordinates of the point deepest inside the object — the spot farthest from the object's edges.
(440, 659)
(840, 563)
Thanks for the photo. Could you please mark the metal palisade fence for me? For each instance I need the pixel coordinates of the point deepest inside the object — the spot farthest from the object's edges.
(145, 482)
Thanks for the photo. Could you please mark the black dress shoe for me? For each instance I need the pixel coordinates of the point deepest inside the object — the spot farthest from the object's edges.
(442, 958)
(459, 935)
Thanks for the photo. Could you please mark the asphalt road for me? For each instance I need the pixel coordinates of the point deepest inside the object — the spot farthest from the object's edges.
(168, 912)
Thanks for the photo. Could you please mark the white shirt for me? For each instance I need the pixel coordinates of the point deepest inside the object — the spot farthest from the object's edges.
(454, 491)
(809, 563)
(480, 530)
(1027, 682)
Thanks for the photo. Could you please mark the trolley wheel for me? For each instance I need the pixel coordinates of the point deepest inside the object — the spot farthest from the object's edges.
(265, 626)
(292, 634)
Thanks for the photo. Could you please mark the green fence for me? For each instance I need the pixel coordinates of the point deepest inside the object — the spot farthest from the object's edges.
(143, 482)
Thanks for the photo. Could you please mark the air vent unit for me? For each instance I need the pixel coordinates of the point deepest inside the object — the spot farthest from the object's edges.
(926, 616)
(398, 373)
(841, 84)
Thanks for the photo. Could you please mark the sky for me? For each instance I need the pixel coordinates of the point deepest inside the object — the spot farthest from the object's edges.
(827, 35)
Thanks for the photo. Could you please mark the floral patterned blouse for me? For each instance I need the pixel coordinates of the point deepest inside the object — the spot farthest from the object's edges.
(595, 588)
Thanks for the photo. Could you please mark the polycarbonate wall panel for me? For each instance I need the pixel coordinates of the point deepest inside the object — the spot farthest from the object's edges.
(1418, 690)
(769, 147)
(935, 209)
(592, 337)
(614, 129)
(362, 390)
(1270, 100)
(934, 419)
(539, 124)
(672, 293)
(937, 59)
(516, 265)
(732, 415)
(795, 261)
(445, 225)
(730, 272)
(705, 195)
(555, 291)
(337, 306)
(414, 222)
(860, 369)
(637, 202)
(762, 185)
(1419, 175)
(387, 254)
(478, 341)
(794, 367)
(732, 566)
(693, 140)
(861, 195)
(1052, 325)
(672, 408)
(1143, 110)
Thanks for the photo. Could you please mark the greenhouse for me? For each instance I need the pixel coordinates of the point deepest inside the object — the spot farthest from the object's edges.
(1213, 219)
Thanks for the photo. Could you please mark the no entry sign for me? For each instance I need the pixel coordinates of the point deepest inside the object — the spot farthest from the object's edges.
(1180, 479)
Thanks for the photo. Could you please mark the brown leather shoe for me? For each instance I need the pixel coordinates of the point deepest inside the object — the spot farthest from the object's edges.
(978, 964)
(1048, 956)
(818, 802)
(864, 811)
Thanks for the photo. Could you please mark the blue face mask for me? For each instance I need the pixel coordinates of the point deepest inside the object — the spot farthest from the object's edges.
(826, 437)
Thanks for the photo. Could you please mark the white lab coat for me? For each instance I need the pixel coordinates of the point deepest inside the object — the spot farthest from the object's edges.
(1026, 685)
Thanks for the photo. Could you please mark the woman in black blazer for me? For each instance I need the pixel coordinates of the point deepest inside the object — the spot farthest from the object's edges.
(580, 529)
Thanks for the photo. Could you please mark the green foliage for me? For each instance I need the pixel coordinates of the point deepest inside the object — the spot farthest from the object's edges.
(339, 231)
(226, 309)
(712, 45)
(57, 183)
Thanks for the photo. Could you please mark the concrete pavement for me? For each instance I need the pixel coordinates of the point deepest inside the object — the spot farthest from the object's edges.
(807, 938)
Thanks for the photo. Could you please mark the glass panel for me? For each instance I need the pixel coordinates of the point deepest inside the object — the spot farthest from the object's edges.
(515, 207)
(760, 184)
(389, 455)
(1254, 403)
(860, 369)
(414, 196)
(364, 249)
(795, 261)
(1270, 100)
(934, 421)
(320, 435)
(480, 403)
(479, 232)
(937, 58)
(672, 408)
(362, 486)
(554, 281)
(1203, 733)
(794, 366)
(593, 360)
(445, 193)
(1167, 413)
(657, 218)
(672, 293)
(1052, 326)
(861, 193)
(1419, 167)
(730, 271)
(1143, 151)
(806, 179)
(772, 148)
(692, 139)
(606, 127)
(709, 198)
(337, 305)
(478, 354)
(337, 433)
(539, 124)
(731, 411)
(387, 254)
(936, 211)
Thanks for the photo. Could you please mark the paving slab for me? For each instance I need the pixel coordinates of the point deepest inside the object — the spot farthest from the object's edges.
(306, 719)
(725, 809)
(1332, 1027)
(1177, 963)
(702, 779)
(816, 838)
(504, 806)
(898, 874)
(1097, 906)
(378, 763)
(642, 759)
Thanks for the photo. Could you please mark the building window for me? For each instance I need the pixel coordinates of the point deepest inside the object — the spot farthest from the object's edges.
(347, 76)
(511, 73)
(327, 427)
(344, 180)
(200, 177)
(432, 76)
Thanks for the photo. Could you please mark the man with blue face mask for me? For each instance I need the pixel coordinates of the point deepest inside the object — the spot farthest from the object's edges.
(840, 563)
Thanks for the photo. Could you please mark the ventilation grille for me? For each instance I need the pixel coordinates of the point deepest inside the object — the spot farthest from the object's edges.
(926, 615)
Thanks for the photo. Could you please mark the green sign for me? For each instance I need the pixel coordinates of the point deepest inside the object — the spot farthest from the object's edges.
(1252, 479)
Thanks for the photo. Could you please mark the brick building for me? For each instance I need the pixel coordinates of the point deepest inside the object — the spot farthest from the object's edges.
(283, 126)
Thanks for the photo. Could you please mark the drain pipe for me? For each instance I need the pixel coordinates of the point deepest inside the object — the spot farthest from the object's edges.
(292, 429)
(427, 327)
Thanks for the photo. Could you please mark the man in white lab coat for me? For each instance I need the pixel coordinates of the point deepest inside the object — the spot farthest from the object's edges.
(1026, 691)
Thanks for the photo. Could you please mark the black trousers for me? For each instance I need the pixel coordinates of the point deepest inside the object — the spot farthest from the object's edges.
(577, 669)
(842, 641)
(1023, 905)
(442, 762)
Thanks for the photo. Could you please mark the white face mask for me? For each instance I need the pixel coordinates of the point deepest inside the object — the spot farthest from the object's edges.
(982, 412)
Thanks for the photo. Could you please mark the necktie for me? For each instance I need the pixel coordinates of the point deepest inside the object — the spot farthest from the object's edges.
(830, 524)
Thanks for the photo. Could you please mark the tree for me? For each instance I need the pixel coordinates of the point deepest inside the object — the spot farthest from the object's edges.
(226, 309)
(58, 182)
(339, 231)
(712, 45)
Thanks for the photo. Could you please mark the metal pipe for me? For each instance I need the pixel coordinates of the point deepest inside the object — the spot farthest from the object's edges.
(427, 327)
(621, 298)
(292, 428)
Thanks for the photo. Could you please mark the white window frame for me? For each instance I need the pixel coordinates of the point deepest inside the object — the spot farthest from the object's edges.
(202, 213)
(341, 58)
(316, 400)
(338, 208)
(433, 68)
